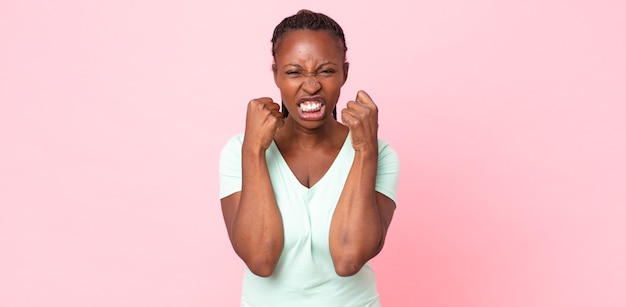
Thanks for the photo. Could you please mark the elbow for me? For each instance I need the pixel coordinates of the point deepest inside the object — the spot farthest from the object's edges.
(262, 267)
(261, 261)
(348, 262)
(262, 271)
(347, 267)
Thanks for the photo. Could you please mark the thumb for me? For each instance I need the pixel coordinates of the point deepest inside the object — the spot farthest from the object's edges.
(363, 97)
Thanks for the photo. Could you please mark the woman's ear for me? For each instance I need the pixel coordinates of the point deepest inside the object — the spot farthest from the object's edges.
(275, 71)
(346, 65)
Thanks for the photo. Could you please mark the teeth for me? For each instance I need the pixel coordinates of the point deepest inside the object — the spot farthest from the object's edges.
(310, 106)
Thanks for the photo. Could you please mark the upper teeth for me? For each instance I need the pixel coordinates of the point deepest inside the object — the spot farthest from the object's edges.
(310, 106)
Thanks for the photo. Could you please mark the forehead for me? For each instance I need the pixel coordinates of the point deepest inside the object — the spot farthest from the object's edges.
(299, 44)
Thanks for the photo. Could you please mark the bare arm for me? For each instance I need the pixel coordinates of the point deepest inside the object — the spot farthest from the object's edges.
(362, 215)
(252, 216)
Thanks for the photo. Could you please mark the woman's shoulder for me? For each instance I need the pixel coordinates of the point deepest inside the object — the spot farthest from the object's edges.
(383, 145)
(386, 151)
(235, 140)
(232, 146)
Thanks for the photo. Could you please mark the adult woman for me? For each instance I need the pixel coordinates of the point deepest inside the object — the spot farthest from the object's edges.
(307, 200)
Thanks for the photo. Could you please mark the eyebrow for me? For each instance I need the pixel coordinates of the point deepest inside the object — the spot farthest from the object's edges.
(318, 66)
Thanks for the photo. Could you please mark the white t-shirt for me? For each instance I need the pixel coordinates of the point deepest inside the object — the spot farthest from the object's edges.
(305, 274)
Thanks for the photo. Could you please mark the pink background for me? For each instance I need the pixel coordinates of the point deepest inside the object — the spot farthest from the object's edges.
(508, 116)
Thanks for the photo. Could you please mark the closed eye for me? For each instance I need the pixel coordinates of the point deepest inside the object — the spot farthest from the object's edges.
(292, 73)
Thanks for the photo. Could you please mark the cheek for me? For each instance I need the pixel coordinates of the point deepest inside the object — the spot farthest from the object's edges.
(285, 84)
(333, 84)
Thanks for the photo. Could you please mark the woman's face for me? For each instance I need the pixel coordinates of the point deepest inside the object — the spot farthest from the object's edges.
(310, 70)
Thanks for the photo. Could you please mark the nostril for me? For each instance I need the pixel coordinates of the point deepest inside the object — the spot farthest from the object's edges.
(312, 85)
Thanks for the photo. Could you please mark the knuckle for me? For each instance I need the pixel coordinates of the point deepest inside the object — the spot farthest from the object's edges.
(354, 123)
(255, 104)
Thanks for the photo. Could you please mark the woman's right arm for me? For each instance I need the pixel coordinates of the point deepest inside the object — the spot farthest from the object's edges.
(252, 216)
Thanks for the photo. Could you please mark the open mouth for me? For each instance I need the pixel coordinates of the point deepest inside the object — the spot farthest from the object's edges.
(311, 108)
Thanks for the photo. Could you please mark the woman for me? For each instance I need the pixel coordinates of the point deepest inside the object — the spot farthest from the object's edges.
(307, 200)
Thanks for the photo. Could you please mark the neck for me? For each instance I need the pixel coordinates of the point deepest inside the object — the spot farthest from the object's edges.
(303, 137)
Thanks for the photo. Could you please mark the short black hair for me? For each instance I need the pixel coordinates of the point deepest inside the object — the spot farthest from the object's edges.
(307, 20)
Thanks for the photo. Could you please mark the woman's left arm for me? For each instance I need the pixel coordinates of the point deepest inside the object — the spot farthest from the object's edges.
(362, 216)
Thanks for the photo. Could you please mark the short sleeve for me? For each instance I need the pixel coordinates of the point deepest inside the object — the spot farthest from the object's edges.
(388, 170)
(230, 166)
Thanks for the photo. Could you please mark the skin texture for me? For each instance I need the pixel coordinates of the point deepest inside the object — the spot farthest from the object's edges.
(310, 65)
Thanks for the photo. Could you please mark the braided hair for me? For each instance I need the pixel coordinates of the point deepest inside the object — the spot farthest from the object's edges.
(305, 19)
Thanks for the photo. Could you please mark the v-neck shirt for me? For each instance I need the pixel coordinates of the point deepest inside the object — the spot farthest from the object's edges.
(305, 274)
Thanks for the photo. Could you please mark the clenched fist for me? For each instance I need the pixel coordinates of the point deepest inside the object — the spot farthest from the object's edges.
(361, 116)
(263, 119)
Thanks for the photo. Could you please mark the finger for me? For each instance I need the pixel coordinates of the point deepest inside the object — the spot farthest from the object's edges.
(363, 97)
(348, 117)
(273, 106)
(357, 107)
(260, 103)
(264, 99)
(277, 117)
(277, 114)
(351, 105)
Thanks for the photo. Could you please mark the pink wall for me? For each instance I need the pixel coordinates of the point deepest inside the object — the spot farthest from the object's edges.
(509, 120)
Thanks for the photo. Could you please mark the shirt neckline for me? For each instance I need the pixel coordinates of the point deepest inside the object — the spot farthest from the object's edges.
(344, 148)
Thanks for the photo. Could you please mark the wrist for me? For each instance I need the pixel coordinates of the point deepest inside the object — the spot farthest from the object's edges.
(366, 148)
(366, 153)
(252, 150)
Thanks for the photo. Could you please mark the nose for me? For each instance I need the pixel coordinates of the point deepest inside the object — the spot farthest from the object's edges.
(311, 85)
